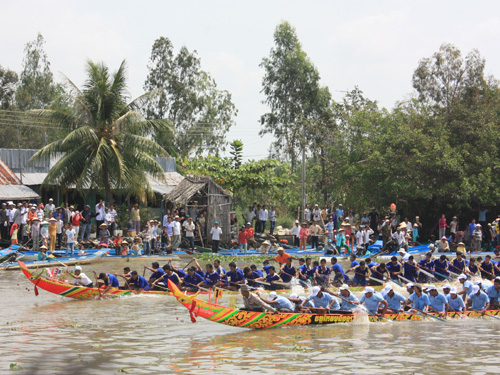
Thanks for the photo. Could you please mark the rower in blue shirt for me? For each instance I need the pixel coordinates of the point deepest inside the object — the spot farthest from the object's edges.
(254, 268)
(138, 283)
(437, 301)
(410, 269)
(266, 266)
(297, 300)
(322, 273)
(360, 274)
(479, 300)
(472, 267)
(441, 268)
(354, 262)
(493, 293)
(303, 272)
(348, 301)
(418, 300)
(378, 273)
(280, 303)
(168, 275)
(336, 270)
(251, 277)
(374, 302)
(287, 271)
(271, 279)
(322, 301)
(235, 276)
(394, 300)
(455, 302)
(394, 268)
(193, 280)
(370, 263)
(466, 285)
(459, 264)
(108, 280)
(157, 272)
(221, 271)
(486, 268)
(211, 277)
(427, 265)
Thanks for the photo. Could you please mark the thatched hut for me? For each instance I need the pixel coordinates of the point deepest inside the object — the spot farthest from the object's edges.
(196, 192)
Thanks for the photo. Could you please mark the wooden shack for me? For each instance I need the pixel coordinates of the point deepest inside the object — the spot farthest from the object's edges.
(202, 193)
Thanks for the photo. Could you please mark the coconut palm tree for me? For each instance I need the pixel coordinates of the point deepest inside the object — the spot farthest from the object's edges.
(108, 145)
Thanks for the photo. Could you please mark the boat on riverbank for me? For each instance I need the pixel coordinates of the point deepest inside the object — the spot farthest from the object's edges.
(54, 262)
(263, 320)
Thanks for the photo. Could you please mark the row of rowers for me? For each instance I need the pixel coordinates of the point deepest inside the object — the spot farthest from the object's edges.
(422, 299)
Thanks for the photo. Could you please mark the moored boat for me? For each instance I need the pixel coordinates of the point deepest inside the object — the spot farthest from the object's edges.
(263, 320)
(51, 262)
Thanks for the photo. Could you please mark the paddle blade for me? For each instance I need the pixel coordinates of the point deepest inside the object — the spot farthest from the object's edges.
(193, 318)
(36, 291)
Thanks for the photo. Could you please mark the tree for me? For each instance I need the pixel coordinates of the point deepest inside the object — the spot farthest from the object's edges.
(8, 81)
(236, 153)
(109, 146)
(189, 98)
(293, 93)
(37, 89)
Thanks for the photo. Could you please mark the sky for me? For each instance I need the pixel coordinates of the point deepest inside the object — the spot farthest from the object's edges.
(375, 45)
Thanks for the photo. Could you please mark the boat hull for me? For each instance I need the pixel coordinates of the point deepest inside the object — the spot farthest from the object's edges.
(55, 262)
(262, 320)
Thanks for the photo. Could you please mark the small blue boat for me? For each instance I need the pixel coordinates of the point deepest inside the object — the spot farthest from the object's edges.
(57, 262)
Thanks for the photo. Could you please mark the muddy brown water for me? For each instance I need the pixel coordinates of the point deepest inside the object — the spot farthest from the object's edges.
(49, 334)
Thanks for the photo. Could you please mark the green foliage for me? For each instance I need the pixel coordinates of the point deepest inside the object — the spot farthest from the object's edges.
(8, 81)
(37, 89)
(188, 97)
(108, 146)
(236, 153)
(293, 94)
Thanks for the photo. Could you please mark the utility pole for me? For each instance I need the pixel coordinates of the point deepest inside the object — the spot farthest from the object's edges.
(303, 180)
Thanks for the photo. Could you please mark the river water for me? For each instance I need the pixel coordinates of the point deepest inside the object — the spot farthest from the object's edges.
(49, 334)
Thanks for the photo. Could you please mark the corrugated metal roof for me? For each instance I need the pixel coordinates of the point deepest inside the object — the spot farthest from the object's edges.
(17, 192)
(31, 179)
(7, 177)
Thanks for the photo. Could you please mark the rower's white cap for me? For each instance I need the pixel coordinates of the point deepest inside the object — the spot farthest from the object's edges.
(446, 286)
(315, 291)
(272, 296)
(402, 251)
(478, 282)
(453, 290)
(475, 289)
(369, 289)
(296, 221)
(344, 287)
(409, 285)
(431, 287)
(462, 276)
(78, 268)
(497, 279)
(294, 295)
(388, 288)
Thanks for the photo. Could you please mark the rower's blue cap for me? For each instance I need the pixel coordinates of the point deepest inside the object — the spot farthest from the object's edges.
(216, 222)
(187, 216)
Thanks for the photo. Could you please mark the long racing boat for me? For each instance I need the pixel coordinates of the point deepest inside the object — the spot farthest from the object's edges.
(263, 320)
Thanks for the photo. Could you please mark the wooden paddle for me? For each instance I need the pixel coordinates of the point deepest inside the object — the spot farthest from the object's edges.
(405, 279)
(491, 316)
(440, 274)
(489, 273)
(427, 314)
(196, 286)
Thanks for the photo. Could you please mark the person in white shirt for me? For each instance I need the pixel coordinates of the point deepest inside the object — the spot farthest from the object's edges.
(316, 214)
(49, 207)
(100, 210)
(272, 220)
(70, 240)
(189, 227)
(307, 214)
(80, 278)
(112, 220)
(216, 233)
(176, 238)
(59, 231)
(295, 232)
(165, 218)
(263, 216)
